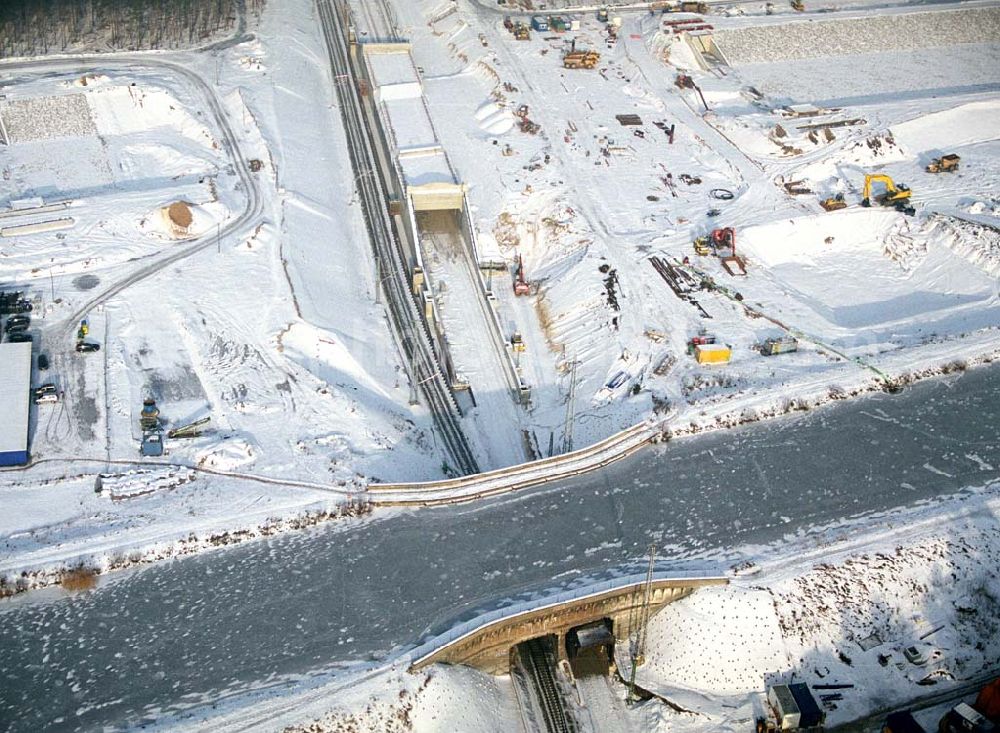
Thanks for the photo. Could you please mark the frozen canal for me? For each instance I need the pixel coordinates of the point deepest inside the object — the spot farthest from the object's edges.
(225, 621)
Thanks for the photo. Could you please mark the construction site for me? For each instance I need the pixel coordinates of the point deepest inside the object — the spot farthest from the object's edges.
(520, 279)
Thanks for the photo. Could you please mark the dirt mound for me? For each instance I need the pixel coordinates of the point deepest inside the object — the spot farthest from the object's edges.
(179, 214)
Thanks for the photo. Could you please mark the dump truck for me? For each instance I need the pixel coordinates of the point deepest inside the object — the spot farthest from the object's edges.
(944, 164)
(581, 59)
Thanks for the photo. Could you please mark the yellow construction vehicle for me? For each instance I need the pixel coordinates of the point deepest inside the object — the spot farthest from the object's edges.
(897, 196)
(798, 5)
(701, 246)
(833, 203)
(581, 59)
(944, 164)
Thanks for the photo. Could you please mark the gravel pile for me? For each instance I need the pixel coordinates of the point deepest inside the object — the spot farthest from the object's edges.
(45, 118)
(877, 33)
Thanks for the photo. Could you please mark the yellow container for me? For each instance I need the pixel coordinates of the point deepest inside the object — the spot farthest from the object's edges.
(712, 353)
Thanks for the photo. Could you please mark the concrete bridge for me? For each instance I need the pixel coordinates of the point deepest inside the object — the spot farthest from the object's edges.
(486, 642)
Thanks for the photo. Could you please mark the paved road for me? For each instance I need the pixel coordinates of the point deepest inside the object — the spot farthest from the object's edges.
(226, 621)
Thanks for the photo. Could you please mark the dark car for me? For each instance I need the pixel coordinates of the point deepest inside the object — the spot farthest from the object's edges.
(47, 388)
(19, 322)
(19, 337)
(85, 347)
(43, 362)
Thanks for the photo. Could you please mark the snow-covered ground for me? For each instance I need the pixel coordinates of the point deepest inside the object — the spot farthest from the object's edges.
(271, 329)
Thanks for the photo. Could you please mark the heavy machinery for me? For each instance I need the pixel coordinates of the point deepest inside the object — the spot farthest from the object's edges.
(897, 196)
(581, 59)
(944, 164)
(191, 430)
(521, 286)
(521, 32)
(721, 241)
(602, 14)
(724, 242)
(775, 346)
(833, 203)
(798, 6)
(149, 416)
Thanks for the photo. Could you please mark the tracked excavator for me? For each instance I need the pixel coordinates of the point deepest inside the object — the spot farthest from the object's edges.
(897, 196)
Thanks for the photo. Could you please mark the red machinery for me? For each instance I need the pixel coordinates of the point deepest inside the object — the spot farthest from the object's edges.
(724, 242)
(521, 286)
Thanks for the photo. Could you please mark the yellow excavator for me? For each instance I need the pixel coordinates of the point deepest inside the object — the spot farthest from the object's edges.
(897, 196)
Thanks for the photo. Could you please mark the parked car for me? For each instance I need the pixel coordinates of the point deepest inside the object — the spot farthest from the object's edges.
(43, 362)
(915, 655)
(19, 337)
(85, 347)
(47, 398)
(47, 388)
(18, 322)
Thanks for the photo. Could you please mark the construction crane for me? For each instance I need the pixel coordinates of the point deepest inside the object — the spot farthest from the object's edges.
(897, 196)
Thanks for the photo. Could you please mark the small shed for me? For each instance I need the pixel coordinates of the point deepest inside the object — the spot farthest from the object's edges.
(15, 390)
(712, 353)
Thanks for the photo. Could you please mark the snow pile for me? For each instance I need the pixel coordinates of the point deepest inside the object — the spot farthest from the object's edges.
(816, 39)
(968, 123)
(441, 699)
(494, 119)
(231, 454)
(721, 640)
(45, 118)
(977, 243)
(136, 483)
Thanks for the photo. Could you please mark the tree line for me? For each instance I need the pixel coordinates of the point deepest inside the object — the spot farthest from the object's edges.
(38, 27)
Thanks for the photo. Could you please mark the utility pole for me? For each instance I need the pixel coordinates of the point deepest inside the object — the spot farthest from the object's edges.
(639, 635)
(570, 411)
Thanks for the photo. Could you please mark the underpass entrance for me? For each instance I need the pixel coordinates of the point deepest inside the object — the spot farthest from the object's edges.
(591, 648)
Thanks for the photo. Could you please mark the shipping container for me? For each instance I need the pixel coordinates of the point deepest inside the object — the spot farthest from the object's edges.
(810, 715)
(539, 23)
(785, 709)
(712, 353)
(786, 345)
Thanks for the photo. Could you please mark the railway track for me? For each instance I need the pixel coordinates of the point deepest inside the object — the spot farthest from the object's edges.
(535, 660)
(412, 337)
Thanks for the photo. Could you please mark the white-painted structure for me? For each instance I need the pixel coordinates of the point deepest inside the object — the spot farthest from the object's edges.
(425, 170)
(15, 385)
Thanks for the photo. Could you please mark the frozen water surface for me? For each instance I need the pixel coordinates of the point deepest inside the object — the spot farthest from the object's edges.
(184, 632)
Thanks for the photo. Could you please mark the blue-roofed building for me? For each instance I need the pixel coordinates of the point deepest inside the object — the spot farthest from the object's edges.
(15, 388)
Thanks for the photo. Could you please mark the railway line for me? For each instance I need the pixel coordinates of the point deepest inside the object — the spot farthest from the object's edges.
(412, 337)
(535, 661)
